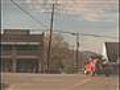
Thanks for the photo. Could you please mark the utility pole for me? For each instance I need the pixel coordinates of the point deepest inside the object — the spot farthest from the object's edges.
(50, 37)
(77, 51)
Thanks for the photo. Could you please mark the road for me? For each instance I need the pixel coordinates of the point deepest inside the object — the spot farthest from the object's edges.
(22, 81)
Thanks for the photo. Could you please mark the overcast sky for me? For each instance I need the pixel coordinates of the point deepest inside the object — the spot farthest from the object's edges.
(86, 16)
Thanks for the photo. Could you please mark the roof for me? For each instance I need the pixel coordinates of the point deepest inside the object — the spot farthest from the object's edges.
(20, 36)
(112, 49)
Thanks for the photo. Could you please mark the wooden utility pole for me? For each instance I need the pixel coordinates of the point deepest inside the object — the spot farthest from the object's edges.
(50, 38)
(77, 51)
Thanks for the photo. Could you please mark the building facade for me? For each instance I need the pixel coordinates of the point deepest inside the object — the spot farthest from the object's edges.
(22, 51)
(111, 51)
(112, 55)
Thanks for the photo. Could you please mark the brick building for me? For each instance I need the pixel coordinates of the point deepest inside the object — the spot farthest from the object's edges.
(22, 51)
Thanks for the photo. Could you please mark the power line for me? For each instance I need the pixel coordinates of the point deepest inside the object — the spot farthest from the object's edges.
(85, 34)
(95, 4)
(82, 34)
(75, 2)
(95, 35)
(58, 12)
(29, 14)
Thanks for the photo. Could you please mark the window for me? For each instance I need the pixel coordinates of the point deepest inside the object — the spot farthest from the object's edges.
(5, 47)
(6, 65)
(26, 47)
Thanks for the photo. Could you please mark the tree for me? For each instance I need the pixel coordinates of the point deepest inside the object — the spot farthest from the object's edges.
(60, 53)
(62, 57)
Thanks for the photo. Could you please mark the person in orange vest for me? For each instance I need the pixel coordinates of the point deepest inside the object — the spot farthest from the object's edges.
(93, 68)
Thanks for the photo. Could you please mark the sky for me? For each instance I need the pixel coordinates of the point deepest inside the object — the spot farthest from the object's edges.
(84, 16)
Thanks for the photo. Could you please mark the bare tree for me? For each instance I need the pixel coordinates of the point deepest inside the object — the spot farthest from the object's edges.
(61, 55)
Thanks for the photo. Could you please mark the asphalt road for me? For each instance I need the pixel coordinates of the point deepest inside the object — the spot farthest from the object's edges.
(20, 81)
